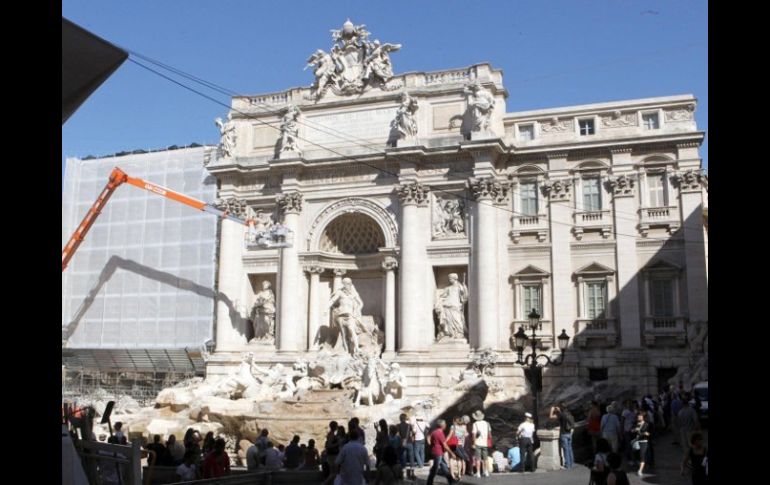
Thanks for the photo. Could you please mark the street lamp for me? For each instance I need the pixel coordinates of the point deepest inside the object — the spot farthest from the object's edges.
(534, 369)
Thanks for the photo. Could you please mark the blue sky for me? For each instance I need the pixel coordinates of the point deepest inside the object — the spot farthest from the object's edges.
(552, 53)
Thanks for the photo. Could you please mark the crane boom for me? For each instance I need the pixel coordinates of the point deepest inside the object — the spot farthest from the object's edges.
(119, 177)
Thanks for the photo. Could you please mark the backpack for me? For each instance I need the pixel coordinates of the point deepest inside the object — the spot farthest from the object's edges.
(569, 422)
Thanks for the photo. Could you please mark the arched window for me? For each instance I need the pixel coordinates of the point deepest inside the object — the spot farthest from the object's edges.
(352, 234)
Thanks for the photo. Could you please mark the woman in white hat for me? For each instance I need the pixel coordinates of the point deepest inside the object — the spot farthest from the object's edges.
(526, 435)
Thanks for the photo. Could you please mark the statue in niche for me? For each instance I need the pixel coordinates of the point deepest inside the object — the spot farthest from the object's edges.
(404, 125)
(290, 130)
(480, 106)
(264, 313)
(448, 218)
(449, 307)
(227, 133)
(347, 307)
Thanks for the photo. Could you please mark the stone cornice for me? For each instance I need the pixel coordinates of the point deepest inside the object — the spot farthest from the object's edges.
(655, 142)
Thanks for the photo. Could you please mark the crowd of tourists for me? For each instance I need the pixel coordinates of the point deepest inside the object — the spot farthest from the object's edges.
(623, 436)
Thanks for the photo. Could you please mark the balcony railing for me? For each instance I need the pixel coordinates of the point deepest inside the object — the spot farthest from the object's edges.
(667, 216)
(591, 220)
(656, 328)
(602, 330)
(529, 224)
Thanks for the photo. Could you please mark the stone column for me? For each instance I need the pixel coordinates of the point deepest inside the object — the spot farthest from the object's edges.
(559, 191)
(389, 265)
(229, 334)
(412, 274)
(691, 197)
(313, 305)
(289, 325)
(623, 185)
(487, 193)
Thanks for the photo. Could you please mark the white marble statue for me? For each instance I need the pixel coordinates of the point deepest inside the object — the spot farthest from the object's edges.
(227, 134)
(347, 306)
(404, 125)
(448, 218)
(352, 64)
(449, 308)
(370, 388)
(395, 382)
(378, 60)
(325, 68)
(264, 313)
(290, 130)
(481, 104)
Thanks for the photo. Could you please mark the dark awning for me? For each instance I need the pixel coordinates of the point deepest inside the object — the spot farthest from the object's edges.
(134, 360)
(86, 62)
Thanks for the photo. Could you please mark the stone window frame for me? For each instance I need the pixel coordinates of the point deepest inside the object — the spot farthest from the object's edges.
(658, 112)
(657, 164)
(593, 119)
(661, 268)
(531, 124)
(531, 276)
(593, 273)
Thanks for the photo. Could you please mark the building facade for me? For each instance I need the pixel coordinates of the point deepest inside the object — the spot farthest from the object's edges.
(590, 214)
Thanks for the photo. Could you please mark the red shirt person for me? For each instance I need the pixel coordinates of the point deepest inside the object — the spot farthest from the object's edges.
(217, 463)
(438, 446)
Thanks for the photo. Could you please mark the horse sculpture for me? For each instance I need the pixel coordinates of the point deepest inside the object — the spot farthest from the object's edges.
(370, 388)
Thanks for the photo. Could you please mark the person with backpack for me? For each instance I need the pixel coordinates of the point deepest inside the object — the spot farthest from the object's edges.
(566, 425)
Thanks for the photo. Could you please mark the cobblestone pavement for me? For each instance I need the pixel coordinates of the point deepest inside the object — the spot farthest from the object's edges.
(668, 459)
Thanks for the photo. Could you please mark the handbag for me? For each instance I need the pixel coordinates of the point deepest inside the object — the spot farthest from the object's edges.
(489, 441)
(635, 445)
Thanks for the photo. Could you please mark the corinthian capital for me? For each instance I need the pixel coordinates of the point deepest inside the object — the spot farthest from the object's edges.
(622, 185)
(413, 193)
(489, 189)
(290, 203)
(559, 189)
(689, 180)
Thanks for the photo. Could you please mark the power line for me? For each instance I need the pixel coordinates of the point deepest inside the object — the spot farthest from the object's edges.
(349, 157)
(331, 131)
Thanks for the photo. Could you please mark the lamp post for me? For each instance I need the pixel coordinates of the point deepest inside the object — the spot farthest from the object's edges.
(532, 368)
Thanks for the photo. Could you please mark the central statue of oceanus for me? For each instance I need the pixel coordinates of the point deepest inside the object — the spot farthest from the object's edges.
(353, 63)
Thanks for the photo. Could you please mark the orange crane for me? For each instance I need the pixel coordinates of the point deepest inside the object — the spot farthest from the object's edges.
(278, 236)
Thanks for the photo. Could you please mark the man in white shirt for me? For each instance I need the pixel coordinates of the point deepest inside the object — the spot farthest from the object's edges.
(418, 428)
(252, 458)
(273, 458)
(526, 433)
(482, 434)
(188, 470)
(352, 460)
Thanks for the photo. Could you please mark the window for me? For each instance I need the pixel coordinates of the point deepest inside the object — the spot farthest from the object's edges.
(528, 191)
(596, 301)
(656, 189)
(526, 132)
(587, 127)
(531, 300)
(650, 121)
(595, 375)
(592, 200)
(662, 295)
